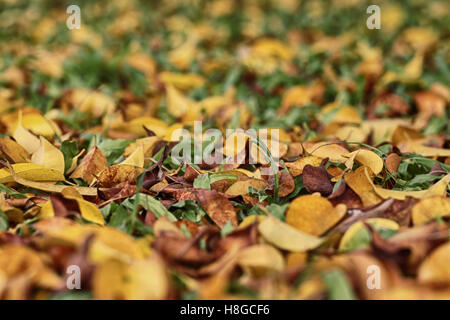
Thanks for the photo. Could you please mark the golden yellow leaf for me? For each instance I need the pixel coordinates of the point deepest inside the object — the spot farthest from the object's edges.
(296, 167)
(335, 152)
(435, 267)
(9, 149)
(249, 220)
(351, 134)
(314, 214)
(182, 81)
(177, 104)
(136, 126)
(88, 210)
(24, 269)
(240, 188)
(147, 144)
(430, 209)
(360, 182)
(366, 158)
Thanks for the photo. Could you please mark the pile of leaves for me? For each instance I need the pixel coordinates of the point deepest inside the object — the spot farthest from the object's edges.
(356, 206)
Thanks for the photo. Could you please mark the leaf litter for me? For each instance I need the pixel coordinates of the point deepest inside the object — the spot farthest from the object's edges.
(352, 176)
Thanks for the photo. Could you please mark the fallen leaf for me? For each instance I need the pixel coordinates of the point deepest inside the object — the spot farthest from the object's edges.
(32, 172)
(260, 260)
(429, 209)
(315, 179)
(90, 167)
(313, 214)
(286, 237)
(241, 187)
(218, 207)
(48, 156)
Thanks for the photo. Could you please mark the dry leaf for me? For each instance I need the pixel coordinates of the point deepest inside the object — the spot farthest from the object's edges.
(90, 167)
(286, 237)
(313, 214)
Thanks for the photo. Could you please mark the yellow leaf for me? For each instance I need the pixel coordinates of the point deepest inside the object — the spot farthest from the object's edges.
(88, 210)
(49, 156)
(136, 158)
(240, 188)
(182, 81)
(147, 144)
(429, 209)
(425, 151)
(94, 102)
(177, 104)
(260, 260)
(335, 152)
(47, 210)
(382, 129)
(435, 267)
(12, 150)
(296, 167)
(146, 280)
(136, 126)
(286, 237)
(314, 214)
(85, 191)
(37, 124)
(366, 158)
(24, 269)
(26, 139)
(361, 183)
(351, 134)
(30, 171)
(249, 220)
(341, 114)
(139, 280)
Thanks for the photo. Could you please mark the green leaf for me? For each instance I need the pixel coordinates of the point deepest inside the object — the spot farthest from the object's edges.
(150, 203)
(362, 238)
(4, 225)
(113, 149)
(338, 285)
(278, 210)
(202, 182)
(189, 210)
(227, 229)
(14, 193)
(69, 150)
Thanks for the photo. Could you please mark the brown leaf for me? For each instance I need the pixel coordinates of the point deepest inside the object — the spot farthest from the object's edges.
(118, 173)
(393, 162)
(91, 165)
(316, 179)
(218, 207)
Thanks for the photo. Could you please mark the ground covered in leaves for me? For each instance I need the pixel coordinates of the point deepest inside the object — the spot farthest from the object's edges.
(354, 207)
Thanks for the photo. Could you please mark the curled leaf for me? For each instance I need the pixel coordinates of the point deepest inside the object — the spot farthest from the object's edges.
(286, 237)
